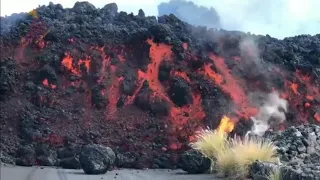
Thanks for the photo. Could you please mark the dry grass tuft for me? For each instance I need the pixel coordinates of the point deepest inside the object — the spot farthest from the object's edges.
(210, 143)
(251, 149)
(232, 157)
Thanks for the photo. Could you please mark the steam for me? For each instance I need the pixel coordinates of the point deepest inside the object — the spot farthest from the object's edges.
(271, 114)
(272, 107)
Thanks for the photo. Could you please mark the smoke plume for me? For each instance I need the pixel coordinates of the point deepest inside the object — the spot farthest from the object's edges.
(191, 13)
(271, 114)
(272, 107)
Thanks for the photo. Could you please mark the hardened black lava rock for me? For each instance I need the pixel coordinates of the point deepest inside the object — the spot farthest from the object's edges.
(96, 159)
(298, 148)
(297, 142)
(194, 162)
(262, 170)
(126, 160)
(25, 156)
(8, 77)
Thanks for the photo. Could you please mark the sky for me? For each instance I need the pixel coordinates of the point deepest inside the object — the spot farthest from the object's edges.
(278, 18)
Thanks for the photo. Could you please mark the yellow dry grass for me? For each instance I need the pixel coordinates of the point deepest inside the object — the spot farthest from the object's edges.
(232, 157)
(242, 153)
(210, 143)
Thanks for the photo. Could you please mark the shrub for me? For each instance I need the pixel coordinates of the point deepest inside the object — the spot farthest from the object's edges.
(232, 157)
(242, 153)
(211, 143)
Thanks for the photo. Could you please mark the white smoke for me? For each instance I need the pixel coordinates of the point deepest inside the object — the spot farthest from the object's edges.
(271, 114)
(272, 107)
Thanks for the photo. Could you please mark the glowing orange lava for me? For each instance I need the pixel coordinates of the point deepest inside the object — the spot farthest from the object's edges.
(181, 74)
(68, 62)
(230, 85)
(114, 93)
(305, 97)
(294, 88)
(45, 82)
(317, 117)
(185, 46)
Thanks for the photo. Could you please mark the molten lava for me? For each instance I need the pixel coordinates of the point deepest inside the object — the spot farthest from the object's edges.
(231, 85)
(69, 63)
(46, 83)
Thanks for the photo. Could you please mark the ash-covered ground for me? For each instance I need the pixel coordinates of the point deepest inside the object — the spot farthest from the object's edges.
(141, 85)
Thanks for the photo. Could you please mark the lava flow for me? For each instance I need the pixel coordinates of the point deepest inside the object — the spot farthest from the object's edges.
(231, 86)
(157, 81)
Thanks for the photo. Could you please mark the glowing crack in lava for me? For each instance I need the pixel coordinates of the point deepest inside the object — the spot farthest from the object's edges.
(46, 83)
(69, 63)
(230, 85)
(114, 93)
(303, 94)
(179, 116)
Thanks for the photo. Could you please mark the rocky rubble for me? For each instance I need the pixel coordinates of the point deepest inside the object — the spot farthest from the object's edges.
(85, 75)
(299, 151)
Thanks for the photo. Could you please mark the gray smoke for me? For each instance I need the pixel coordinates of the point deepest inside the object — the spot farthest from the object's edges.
(271, 114)
(279, 18)
(8, 21)
(191, 13)
(272, 107)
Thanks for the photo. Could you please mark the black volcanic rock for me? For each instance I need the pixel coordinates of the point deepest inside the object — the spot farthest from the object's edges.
(193, 162)
(96, 159)
(25, 156)
(180, 92)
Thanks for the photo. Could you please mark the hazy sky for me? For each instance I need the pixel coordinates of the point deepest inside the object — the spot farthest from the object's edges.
(279, 18)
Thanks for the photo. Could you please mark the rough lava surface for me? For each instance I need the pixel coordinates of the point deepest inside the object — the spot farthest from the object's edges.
(140, 85)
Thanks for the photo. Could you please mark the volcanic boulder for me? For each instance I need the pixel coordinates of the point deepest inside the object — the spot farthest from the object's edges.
(25, 156)
(180, 92)
(96, 159)
(262, 171)
(193, 162)
(45, 155)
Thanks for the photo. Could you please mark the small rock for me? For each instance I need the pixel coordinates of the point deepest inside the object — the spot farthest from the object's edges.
(262, 170)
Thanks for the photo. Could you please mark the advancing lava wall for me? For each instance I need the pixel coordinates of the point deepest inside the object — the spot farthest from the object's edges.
(140, 84)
